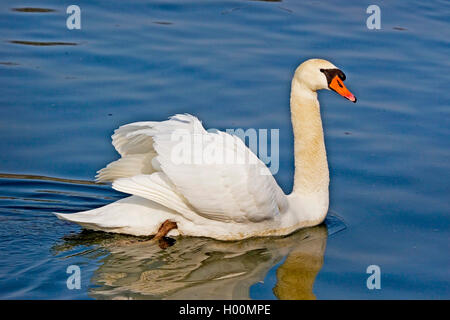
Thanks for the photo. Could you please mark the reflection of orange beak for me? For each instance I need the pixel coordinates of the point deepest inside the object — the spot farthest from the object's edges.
(338, 86)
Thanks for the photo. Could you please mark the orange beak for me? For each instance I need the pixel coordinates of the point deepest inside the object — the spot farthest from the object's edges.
(337, 85)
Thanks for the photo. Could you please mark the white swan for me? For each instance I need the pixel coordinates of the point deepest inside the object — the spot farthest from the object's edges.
(222, 201)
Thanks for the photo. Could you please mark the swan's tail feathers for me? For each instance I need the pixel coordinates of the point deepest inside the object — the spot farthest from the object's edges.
(77, 218)
(133, 215)
(92, 219)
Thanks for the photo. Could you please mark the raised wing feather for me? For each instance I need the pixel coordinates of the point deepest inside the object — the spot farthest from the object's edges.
(134, 142)
(219, 179)
(132, 138)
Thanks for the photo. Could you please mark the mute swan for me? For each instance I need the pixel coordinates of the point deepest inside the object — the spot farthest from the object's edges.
(224, 201)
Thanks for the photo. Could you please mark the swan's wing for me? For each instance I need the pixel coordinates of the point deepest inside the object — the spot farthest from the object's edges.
(240, 188)
(127, 166)
(134, 142)
(132, 138)
(234, 186)
(137, 137)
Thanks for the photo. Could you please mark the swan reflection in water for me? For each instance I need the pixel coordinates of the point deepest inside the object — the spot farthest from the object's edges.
(203, 268)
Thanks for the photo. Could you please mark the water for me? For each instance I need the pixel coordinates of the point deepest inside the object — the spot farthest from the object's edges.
(64, 91)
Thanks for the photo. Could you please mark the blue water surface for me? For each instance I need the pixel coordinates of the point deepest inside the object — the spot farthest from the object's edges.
(230, 63)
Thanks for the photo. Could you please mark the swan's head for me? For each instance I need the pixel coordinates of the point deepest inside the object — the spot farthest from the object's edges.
(317, 74)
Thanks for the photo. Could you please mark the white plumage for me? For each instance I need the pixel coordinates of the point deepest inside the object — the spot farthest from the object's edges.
(220, 190)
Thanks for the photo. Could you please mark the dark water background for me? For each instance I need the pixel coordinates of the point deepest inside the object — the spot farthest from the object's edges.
(64, 91)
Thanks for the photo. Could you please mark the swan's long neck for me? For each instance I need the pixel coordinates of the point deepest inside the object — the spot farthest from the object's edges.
(311, 167)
